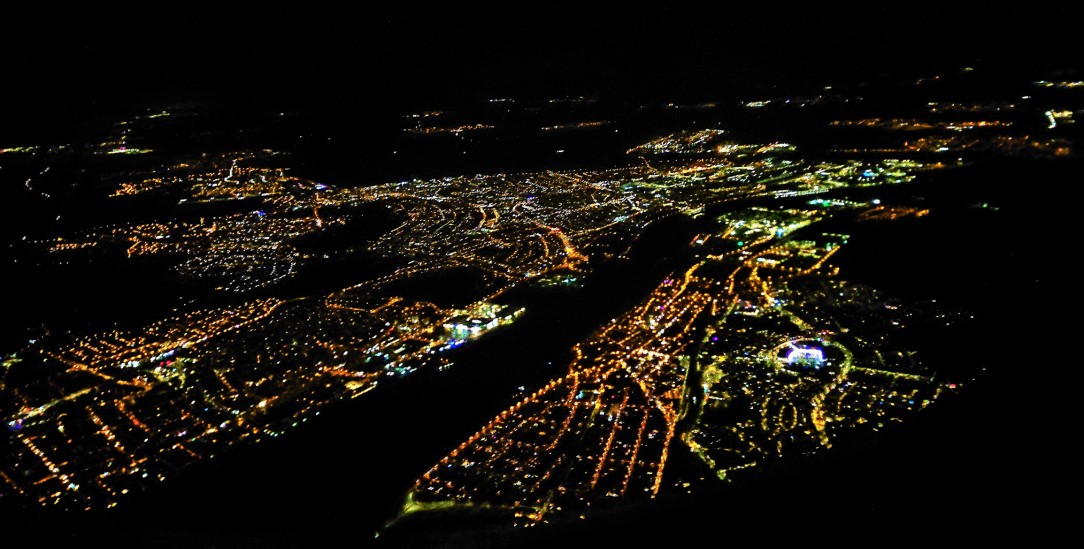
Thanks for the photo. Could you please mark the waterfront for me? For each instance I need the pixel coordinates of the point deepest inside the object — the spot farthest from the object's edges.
(339, 456)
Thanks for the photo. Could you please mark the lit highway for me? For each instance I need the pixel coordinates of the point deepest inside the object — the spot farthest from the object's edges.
(755, 348)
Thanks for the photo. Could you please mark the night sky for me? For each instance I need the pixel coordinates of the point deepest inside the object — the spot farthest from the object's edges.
(98, 61)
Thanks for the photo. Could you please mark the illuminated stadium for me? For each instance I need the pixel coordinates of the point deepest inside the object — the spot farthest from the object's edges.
(810, 355)
(805, 357)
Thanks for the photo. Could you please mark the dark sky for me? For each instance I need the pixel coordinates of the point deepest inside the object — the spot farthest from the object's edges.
(296, 57)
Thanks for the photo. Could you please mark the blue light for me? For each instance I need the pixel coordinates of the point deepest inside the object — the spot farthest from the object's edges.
(806, 357)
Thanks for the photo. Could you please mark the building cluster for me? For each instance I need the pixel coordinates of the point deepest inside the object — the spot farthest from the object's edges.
(734, 357)
(753, 350)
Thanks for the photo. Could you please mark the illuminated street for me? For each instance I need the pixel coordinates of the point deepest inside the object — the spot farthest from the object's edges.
(529, 276)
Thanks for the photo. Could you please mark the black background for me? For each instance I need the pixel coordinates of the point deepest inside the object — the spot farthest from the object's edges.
(60, 65)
